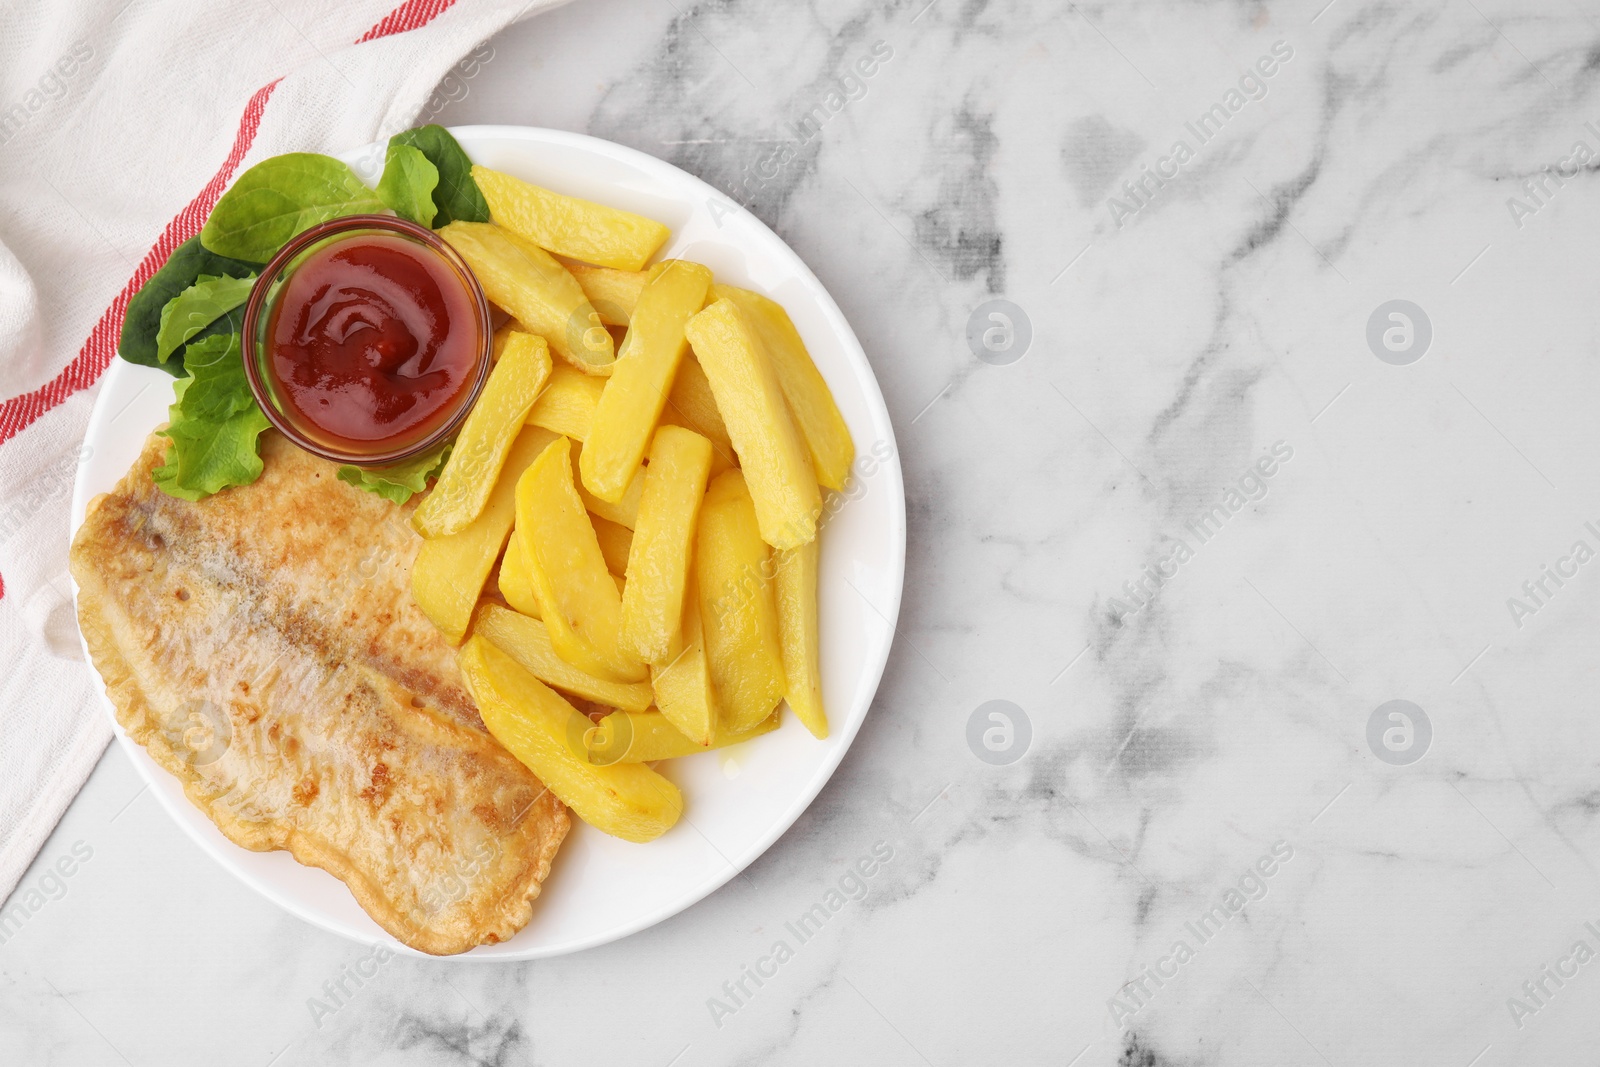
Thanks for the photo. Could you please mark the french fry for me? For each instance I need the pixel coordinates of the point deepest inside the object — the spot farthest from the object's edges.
(497, 344)
(538, 727)
(526, 280)
(527, 641)
(647, 736)
(578, 599)
(692, 406)
(568, 226)
(771, 453)
(624, 512)
(658, 560)
(737, 610)
(632, 401)
(796, 589)
(682, 684)
(811, 402)
(516, 582)
(449, 572)
(463, 487)
(568, 402)
(616, 541)
(612, 292)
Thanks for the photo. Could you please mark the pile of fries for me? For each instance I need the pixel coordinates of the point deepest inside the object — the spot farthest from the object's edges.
(652, 504)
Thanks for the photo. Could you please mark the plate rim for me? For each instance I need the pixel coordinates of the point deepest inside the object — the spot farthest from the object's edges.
(796, 807)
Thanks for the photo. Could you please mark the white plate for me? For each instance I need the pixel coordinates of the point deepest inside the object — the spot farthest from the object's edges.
(739, 801)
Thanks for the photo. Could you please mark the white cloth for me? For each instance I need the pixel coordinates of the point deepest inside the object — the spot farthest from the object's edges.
(120, 123)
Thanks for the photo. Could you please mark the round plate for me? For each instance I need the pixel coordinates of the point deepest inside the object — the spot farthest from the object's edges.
(738, 800)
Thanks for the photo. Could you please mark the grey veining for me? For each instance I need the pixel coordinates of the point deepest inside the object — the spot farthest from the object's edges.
(1183, 725)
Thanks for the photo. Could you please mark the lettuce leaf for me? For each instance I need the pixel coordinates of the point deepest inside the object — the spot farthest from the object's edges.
(197, 307)
(457, 195)
(193, 303)
(215, 423)
(407, 184)
(142, 322)
(401, 481)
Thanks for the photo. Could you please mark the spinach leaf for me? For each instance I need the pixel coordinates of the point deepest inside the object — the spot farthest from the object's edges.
(399, 482)
(457, 195)
(278, 198)
(215, 423)
(197, 307)
(142, 322)
(407, 184)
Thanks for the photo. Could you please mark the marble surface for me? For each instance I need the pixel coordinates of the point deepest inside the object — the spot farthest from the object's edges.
(1212, 847)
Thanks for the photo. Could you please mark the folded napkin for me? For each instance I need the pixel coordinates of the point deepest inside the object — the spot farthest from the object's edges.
(120, 125)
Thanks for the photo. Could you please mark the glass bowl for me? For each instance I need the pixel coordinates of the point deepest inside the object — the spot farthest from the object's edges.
(258, 316)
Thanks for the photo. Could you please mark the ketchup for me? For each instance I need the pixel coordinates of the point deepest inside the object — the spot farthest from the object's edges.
(372, 340)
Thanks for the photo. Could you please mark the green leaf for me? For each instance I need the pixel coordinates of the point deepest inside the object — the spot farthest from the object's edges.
(226, 454)
(407, 184)
(218, 388)
(215, 423)
(197, 307)
(232, 322)
(278, 198)
(457, 195)
(401, 481)
(142, 322)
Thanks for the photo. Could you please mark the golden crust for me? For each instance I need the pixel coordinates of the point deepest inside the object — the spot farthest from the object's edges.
(262, 645)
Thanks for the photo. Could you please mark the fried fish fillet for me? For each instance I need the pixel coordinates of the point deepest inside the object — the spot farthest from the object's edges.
(263, 646)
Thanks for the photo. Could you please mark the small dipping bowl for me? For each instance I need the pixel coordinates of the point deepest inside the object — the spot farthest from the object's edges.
(367, 340)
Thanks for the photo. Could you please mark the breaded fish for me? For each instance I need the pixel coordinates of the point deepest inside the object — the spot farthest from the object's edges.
(263, 646)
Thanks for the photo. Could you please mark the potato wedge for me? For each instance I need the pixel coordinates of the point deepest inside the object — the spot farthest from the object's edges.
(641, 378)
(578, 599)
(463, 487)
(682, 683)
(647, 736)
(692, 406)
(658, 560)
(527, 641)
(771, 453)
(624, 512)
(811, 402)
(796, 591)
(737, 608)
(616, 541)
(516, 582)
(568, 226)
(568, 402)
(449, 572)
(526, 280)
(534, 723)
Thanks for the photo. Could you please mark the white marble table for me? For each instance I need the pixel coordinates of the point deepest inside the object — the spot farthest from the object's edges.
(1198, 648)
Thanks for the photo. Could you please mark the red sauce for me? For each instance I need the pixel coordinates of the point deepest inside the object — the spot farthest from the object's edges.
(372, 341)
